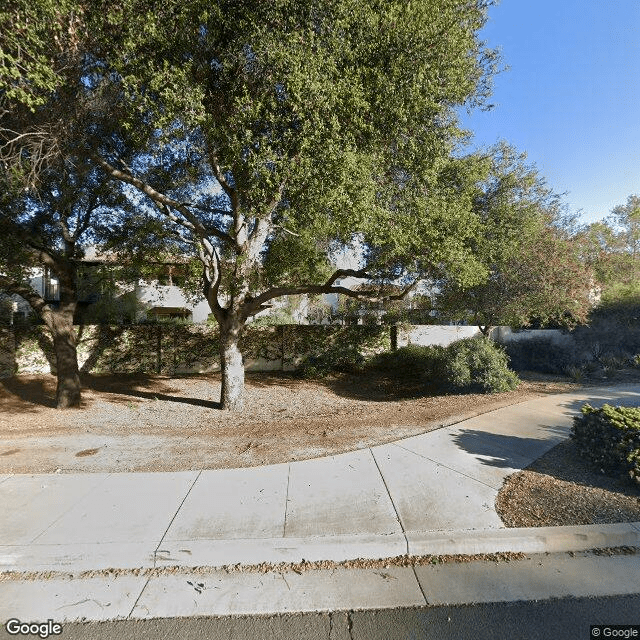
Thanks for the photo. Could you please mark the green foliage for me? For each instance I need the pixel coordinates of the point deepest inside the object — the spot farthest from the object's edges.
(336, 349)
(469, 365)
(36, 35)
(412, 361)
(612, 248)
(609, 437)
(613, 329)
(329, 119)
(540, 354)
(478, 364)
(532, 271)
(274, 318)
(270, 135)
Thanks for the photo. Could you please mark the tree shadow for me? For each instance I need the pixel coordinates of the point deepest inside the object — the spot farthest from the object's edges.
(106, 336)
(46, 346)
(29, 391)
(565, 463)
(616, 395)
(508, 451)
(125, 386)
(287, 379)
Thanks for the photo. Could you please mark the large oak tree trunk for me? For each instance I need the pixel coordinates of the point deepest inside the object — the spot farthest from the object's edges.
(231, 367)
(64, 343)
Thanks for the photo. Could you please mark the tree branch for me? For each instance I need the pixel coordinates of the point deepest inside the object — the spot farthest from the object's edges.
(365, 296)
(217, 172)
(166, 203)
(36, 301)
(292, 233)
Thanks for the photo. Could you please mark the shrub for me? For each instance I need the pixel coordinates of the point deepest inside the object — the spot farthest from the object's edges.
(613, 326)
(540, 354)
(413, 360)
(472, 364)
(478, 364)
(609, 437)
(319, 366)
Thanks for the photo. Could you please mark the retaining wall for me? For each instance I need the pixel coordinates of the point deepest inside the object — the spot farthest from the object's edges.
(170, 349)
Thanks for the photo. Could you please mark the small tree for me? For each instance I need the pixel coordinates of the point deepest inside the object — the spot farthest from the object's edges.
(48, 228)
(533, 266)
(612, 249)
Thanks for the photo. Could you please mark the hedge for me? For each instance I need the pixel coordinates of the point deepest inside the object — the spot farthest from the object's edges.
(609, 437)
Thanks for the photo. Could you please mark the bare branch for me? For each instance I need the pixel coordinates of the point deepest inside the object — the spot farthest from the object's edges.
(166, 203)
(41, 145)
(370, 295)
(293, 233)
(217, 172)
(210, 259)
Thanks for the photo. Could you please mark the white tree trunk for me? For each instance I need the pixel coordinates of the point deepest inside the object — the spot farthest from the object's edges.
(232, 371)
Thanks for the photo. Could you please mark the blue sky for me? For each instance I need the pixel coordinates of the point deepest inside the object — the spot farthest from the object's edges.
(571, 98)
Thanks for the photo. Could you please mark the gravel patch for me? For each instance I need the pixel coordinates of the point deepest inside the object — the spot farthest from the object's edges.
(561, 488)
(157, 423)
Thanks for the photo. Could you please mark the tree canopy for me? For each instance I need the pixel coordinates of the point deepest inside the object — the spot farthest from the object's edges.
(535, 273)
(49, 229)
(612, 248)
(315, 125)
(268, 135)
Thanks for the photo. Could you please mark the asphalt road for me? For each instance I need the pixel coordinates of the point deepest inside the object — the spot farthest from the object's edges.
(559, 619)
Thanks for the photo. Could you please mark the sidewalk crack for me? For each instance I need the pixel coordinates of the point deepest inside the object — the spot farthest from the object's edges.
(440, 464)
(286, 501)
(155, 552)
(393, 504)
(424, 595)
(73, 506)
(135, 604)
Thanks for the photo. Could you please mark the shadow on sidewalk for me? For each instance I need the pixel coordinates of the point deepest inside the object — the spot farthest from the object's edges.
(616, 395)
(508, 450)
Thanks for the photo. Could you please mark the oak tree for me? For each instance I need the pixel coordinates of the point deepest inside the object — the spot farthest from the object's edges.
(49, 228)
(304, 127)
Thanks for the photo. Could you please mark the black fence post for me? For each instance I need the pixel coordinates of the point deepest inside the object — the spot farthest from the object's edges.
(394, 337)
(159, 350)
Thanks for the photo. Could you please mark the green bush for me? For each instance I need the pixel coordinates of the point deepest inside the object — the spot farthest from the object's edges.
(472, 364)
(478, 364)
(540, 354)
(610, 438)
(319, 366)
(413, 360)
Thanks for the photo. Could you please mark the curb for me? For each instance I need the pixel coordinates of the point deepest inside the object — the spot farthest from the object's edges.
(221, 553)
(524, 540)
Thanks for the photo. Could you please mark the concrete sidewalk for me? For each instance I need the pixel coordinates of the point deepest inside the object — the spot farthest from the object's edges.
(429, 494)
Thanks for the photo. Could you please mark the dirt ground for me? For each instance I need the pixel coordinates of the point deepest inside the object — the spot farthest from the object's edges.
(157, 423)
(562, 488)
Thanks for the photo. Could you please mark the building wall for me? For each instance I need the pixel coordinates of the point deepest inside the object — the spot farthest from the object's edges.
(435, 334)
(504, 335)
(156, 295)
